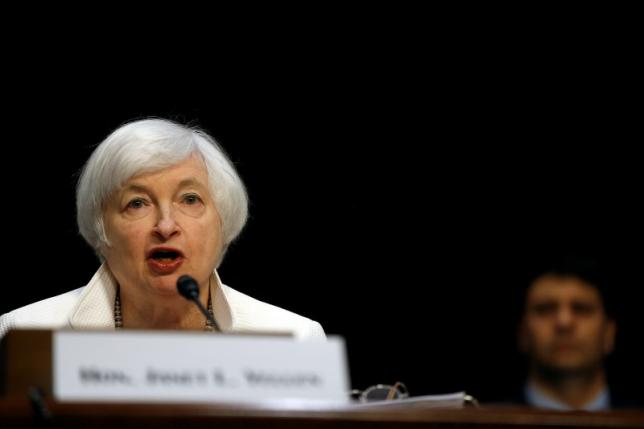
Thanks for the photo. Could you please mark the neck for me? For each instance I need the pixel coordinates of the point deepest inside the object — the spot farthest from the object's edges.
(573, 389)
(161, 312)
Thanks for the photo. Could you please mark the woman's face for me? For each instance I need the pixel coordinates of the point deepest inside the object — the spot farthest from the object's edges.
(162, 225)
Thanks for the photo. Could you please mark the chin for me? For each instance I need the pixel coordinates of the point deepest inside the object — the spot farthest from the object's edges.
(165, 286)
(569, 364)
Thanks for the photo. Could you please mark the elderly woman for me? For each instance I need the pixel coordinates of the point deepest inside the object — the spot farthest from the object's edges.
(158, 200)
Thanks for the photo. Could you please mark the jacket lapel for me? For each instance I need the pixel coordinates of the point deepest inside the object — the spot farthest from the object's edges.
(95, 307)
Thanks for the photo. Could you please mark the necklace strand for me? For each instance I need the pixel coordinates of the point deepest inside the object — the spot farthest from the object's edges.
(118, 316)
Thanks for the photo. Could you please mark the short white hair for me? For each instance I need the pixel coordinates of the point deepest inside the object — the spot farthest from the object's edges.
(151, 145)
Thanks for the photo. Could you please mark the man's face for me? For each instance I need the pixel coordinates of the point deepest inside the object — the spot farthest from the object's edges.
(565, 327)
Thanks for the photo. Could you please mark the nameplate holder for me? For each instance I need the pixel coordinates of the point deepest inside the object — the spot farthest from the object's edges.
(175, 366)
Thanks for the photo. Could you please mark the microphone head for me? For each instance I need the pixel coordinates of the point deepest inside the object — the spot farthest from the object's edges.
(188, 287)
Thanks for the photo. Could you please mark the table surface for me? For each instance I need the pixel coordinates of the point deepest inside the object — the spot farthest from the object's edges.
(19, 412)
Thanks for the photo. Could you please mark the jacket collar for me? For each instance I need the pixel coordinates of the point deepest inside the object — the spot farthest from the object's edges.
(95, 307)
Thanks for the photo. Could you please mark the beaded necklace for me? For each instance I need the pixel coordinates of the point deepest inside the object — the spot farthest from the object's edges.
(118, 316)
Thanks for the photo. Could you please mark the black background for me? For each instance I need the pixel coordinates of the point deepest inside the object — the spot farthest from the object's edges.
(403, 179)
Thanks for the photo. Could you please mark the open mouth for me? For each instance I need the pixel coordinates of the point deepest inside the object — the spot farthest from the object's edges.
(164, 255)
(165, 261)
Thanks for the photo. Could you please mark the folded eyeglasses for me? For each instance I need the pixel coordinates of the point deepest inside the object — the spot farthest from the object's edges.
(381, 392)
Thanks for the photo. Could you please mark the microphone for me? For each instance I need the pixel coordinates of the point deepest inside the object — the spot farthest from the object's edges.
(189, 289)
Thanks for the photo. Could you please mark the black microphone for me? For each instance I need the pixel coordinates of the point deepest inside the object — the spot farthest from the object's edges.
(189, 289)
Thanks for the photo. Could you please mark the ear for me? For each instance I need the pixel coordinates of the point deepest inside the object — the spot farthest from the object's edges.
(224, 249)
(610, 330)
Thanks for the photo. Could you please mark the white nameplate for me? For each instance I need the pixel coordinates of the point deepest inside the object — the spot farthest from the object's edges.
(172, 366)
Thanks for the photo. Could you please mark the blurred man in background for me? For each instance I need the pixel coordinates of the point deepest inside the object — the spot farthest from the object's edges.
(566, 332)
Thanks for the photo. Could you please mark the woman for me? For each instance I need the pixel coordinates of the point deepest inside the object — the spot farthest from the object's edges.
(157, 200)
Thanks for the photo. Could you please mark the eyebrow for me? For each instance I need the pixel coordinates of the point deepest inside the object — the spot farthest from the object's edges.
(191, 181)
(136, 188)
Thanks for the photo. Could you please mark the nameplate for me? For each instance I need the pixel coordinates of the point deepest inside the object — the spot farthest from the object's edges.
(169, 366)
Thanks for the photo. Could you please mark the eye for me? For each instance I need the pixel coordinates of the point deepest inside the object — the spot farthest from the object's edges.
(583, 308)
(136, 203)
(191, 199)
(545, 308)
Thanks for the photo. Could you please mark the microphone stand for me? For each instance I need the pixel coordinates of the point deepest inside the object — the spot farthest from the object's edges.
(188, 288)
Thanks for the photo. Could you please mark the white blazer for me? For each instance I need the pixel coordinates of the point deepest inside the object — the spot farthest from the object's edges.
(92, 307)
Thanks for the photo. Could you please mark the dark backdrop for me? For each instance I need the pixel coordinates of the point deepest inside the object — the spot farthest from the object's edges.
(399, 192)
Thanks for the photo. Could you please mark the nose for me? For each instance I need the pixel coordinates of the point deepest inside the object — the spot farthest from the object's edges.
(565, 318)
(166, 225)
